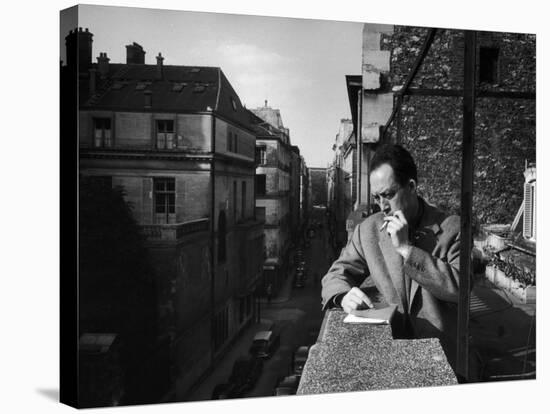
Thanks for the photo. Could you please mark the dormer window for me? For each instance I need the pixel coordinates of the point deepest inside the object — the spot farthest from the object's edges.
(165, 134)
(233, 104)
(102, 132)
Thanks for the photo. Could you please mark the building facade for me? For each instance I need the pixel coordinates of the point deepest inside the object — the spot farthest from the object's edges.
(179, 142)
(340, 177)
(273, 192)
(424, 114)
(428, 117)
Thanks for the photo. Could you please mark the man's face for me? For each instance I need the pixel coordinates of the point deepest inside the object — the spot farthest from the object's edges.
(391, 196)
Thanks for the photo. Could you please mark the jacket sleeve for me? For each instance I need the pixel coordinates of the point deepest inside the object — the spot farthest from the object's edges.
(349, 270)
(438, 272)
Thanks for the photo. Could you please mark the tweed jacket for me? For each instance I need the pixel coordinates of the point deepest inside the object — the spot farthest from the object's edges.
(424, 287)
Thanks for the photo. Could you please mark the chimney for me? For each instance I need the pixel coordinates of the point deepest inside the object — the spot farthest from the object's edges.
(135, 54)
(103, 64)
(148, 98)
(92, 81)
(159, 67)
(78, 46)
(265, 103)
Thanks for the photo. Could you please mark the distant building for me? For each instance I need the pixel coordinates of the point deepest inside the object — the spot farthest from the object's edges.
(341, 174)
(319, 186)
(273, 191)
(180, 143)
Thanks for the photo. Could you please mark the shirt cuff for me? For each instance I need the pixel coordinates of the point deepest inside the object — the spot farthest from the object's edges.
(336, 301)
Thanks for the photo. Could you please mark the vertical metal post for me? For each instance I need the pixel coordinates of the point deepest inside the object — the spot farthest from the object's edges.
(468, 103)
(359, 145)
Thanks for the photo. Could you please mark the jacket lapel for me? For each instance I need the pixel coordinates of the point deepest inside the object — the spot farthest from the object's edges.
(394, 264)
(421, 239)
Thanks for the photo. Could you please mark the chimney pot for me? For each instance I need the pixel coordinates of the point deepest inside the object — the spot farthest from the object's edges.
(103, 64)
(135, 54)
(160, 73)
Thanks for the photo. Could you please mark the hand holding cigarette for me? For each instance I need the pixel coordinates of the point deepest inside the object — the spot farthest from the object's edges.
(397, 227)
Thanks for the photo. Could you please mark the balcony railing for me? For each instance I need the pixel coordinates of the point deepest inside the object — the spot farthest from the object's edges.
(173, 232)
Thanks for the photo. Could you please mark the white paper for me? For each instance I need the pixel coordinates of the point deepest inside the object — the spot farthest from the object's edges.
(359, 319)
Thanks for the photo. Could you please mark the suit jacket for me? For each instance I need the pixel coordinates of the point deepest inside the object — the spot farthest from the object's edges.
(424, 287)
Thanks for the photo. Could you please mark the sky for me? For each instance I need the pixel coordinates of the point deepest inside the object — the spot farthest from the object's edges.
(297, 65)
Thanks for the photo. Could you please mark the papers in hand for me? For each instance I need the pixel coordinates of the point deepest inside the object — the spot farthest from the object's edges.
(381, 316)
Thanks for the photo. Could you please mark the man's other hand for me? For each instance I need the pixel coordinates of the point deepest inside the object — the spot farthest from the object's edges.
(355, 299)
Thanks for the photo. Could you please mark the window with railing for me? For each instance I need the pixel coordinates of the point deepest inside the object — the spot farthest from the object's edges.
(165, 200)
(102, 132)
(165, 134)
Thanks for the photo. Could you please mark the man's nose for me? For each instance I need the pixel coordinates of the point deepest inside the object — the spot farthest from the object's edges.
(385, 206)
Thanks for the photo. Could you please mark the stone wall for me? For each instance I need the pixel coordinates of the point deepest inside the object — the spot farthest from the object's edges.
(431, 127)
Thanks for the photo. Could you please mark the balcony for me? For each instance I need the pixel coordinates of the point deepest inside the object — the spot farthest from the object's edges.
(361, 357)
(173, 232)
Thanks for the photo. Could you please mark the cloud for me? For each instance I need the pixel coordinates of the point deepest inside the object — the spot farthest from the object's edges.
(251, 56)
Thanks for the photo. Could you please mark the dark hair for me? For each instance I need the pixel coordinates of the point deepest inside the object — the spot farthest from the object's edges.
(399, 159)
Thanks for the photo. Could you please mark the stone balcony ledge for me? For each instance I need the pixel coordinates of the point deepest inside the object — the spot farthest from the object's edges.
(360, 357)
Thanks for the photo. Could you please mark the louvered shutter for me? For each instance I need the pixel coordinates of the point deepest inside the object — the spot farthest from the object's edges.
(528, 211)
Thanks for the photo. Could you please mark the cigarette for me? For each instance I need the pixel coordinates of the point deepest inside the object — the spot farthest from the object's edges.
(383, 227)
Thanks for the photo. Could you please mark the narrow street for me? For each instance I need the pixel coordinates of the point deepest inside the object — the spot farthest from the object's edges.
(297, 312)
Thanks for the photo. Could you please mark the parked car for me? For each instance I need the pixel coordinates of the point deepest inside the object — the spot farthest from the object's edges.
(246, 371)
(225, 391)
(287, 386)
(299, 359)
(265, 343)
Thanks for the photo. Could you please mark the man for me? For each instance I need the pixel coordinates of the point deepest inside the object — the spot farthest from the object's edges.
(411, 252)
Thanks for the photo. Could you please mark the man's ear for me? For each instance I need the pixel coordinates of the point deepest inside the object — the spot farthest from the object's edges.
(412, 185)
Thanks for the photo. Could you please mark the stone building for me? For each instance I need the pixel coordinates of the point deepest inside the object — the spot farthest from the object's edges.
(341, 180)
(295, 194)
(273, 191)
(424, 112)
(179, 142)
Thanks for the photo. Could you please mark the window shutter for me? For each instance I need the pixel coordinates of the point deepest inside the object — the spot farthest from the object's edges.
(528, 211)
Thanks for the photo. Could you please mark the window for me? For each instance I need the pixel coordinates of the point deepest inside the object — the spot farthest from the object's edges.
(230, 141)
(102, 132)
(488, 64)
(165, 134)
(235, 201)
(221, 237)
(260, 184)
(165, 200)
(261, 158)
(243, 199)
